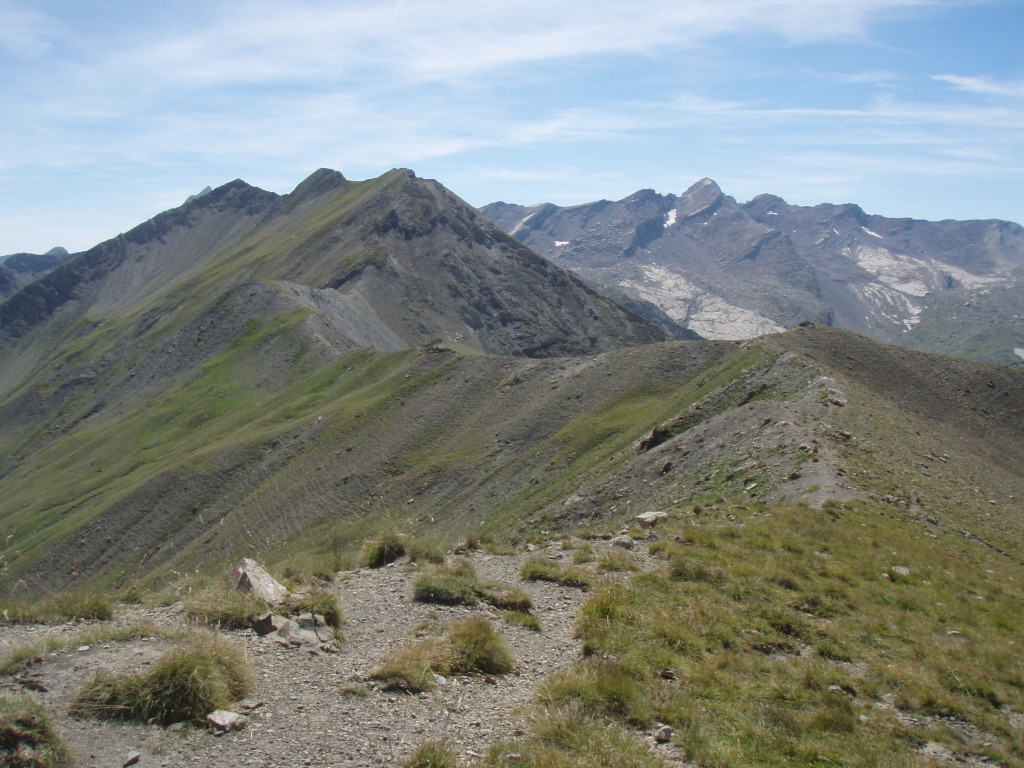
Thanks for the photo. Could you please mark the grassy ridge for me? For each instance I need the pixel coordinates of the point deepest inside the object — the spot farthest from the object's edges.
(789, 636)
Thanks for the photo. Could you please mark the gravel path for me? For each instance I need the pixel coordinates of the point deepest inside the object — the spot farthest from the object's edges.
(302, 718)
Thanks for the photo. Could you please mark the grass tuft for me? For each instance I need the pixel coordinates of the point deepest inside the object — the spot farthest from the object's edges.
(614, 562)
(601, 688)
(64, 606)
(384, 549)
(521, 619)
(471, 645)
(506, 597)
(455, 584)
(569, 737)
(476, 646)
(432, 754)
(27, 737)
(412, 669)
(188, 683)
(539, 568)
(224, 608)
(424, 552)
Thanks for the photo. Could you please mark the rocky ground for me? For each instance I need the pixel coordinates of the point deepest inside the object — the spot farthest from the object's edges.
(299, 716)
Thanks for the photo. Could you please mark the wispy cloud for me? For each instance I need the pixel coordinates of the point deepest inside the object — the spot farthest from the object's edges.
(987, 86)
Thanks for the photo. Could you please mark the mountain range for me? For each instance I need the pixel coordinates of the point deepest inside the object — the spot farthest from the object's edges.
(249, 366)
(803, 547)
(730, 271)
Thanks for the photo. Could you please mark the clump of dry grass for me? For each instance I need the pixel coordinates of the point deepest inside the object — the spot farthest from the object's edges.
(471, 645)
(203, 674)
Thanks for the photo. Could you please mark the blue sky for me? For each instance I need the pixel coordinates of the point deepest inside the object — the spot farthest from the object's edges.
(113, 111)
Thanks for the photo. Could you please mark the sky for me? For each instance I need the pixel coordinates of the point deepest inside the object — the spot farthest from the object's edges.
(111, 111)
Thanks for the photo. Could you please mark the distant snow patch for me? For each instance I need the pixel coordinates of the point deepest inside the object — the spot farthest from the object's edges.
(771, 213)
(560, 243)
(1019, 352)
(873, 234)
(670, 218)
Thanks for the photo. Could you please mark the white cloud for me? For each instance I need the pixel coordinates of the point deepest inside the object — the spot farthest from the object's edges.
(987, 86)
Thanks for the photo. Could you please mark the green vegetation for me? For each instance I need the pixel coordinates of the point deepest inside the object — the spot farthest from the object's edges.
(226, 608)
(787, 636)
(506, 597)
(27, 738)
(454, 584)
(432, 754)
(384, 549)
(412, 669)
(612, 562)
(21, 656)
(65, 606)
(472, 645)
(205, 674)
(521, 619)
(568, 737)
(537, 568)
(476, 646)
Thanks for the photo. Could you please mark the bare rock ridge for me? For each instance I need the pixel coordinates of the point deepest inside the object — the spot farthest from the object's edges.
(732, 271)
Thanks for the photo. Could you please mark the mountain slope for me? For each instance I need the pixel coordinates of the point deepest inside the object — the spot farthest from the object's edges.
(734, 271)
(19, 269)
(388, 263)
(231, 462)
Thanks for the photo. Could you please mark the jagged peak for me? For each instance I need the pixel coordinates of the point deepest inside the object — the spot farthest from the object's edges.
(205, 191)
(699, 198)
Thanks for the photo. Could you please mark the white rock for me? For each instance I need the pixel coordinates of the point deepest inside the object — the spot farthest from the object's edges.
(252, 577)
(650, 519)
(224, 720)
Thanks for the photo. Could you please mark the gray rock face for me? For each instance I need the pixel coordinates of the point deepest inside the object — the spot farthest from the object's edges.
(729, 271)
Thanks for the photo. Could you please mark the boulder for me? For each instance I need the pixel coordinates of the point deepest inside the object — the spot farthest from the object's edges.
(252, 577)
(650, 519)
(625, 542)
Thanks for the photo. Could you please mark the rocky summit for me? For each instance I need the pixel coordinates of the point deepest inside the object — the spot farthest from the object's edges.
(730, 271)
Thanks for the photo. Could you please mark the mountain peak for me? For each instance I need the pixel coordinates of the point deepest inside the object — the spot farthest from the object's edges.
(699, 198)
(319, 182)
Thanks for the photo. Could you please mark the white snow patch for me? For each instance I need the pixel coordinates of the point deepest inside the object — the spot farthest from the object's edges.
(771, 213)
(835, 230)
(560, 243)
(873, 234)
(1019, 352)
(709, 315)
(670, 218)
